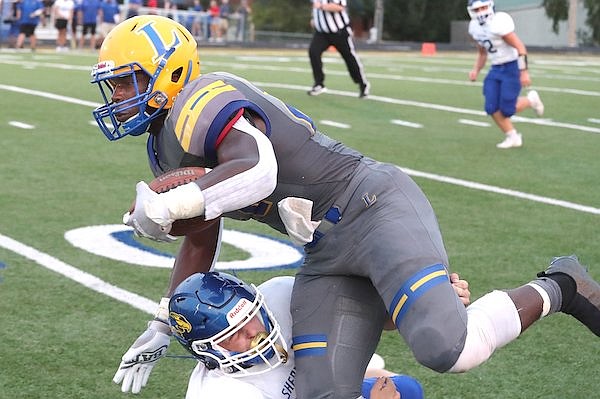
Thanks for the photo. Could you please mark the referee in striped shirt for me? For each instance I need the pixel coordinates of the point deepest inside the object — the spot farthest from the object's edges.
(332, 28)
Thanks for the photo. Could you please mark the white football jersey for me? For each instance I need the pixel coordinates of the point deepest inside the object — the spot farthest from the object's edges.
(278, 383)
(489, 36)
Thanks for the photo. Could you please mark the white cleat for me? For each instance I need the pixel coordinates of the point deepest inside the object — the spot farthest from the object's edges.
(536, 102)
(511, 141)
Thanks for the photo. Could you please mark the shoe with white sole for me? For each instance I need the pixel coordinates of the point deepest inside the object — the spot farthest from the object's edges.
(511, 141)
(536, 102)
(316, 90)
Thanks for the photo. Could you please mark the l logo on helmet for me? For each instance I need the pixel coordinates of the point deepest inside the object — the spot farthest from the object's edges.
(160, 47)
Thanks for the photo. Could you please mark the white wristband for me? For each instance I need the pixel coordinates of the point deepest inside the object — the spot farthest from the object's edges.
(522, 62)
(162, 312)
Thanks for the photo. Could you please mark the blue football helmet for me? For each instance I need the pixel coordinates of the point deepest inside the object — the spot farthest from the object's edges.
(208, 308)
(480, 10)
(155, 46)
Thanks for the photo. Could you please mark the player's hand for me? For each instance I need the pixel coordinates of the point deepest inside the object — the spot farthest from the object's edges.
(461, 287)
(525, 78)
(384, 388)
(473, 75)
(155, 226)
(138, 361)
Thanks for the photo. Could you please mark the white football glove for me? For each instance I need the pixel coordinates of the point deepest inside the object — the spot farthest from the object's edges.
(138, 361)
(156, 226)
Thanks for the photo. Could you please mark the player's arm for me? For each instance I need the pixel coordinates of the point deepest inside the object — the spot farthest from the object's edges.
(197, 254)
(246, 173)
(329, 7)
(480, 61)
(513, 40)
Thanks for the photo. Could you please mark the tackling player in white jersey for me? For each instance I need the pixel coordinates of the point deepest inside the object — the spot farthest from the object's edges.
(496, 39)
(242, 334)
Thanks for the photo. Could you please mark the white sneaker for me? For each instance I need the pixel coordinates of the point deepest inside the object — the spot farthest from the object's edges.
(536, 102)
(511, 141)
(316, 90)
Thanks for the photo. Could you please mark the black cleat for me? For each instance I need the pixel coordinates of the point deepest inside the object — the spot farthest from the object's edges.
(584, 301)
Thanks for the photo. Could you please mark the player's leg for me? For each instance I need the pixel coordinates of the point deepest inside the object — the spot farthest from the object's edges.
(337, 325)
(318, 45)
(500, 317)
(345, 46)
(501, 92)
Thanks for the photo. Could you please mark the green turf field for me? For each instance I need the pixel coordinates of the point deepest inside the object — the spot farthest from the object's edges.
(504, 213)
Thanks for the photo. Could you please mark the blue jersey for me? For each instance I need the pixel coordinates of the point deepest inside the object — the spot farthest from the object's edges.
(31, 10)
(110, 8)
(90, 10)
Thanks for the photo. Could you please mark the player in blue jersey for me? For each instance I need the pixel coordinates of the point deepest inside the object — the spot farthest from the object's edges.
(496, 39)
(353, 215)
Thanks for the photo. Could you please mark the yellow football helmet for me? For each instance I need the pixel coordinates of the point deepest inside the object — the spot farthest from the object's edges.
(157, 46)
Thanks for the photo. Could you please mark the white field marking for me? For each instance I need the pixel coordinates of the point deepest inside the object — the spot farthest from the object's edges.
(335, 124)
(21, 125)
(264, 252)
(451, 180)
(593, 120)
(87, 280)
(406, 123)
(437, 107)
(398, 77)
(50, 96)
(503, 191)
(473, 123)
(394, 76)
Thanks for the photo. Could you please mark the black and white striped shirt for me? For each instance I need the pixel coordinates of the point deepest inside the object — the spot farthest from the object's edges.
(330, 22)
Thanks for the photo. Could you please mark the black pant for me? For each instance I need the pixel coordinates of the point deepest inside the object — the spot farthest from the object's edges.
(344, 45)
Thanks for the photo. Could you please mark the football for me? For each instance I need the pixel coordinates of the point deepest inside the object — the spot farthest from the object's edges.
(172, 179)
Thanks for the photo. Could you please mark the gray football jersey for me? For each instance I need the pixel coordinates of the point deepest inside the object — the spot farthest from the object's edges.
(310, 164)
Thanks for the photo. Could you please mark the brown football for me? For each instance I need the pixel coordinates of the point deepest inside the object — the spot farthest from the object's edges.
(172, 179)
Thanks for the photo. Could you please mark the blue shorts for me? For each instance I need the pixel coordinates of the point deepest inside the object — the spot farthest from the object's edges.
(501, 89)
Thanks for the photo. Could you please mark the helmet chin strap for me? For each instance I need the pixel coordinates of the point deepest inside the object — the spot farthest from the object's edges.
(260, 337)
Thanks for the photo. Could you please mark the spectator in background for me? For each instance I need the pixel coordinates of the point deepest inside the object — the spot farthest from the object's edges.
(47, 14)
(133, 8)
(75, 23)
(332, 28)
(224, 12)
(29, 13)
(110, 15)
(215, 21)
(62, 11)
(90, 10)
(153, 6)
(244, 13)
(13, 18)
(196, 19)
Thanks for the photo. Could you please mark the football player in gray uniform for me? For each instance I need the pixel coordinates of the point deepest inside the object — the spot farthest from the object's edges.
(353, 215)
(496, 39)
